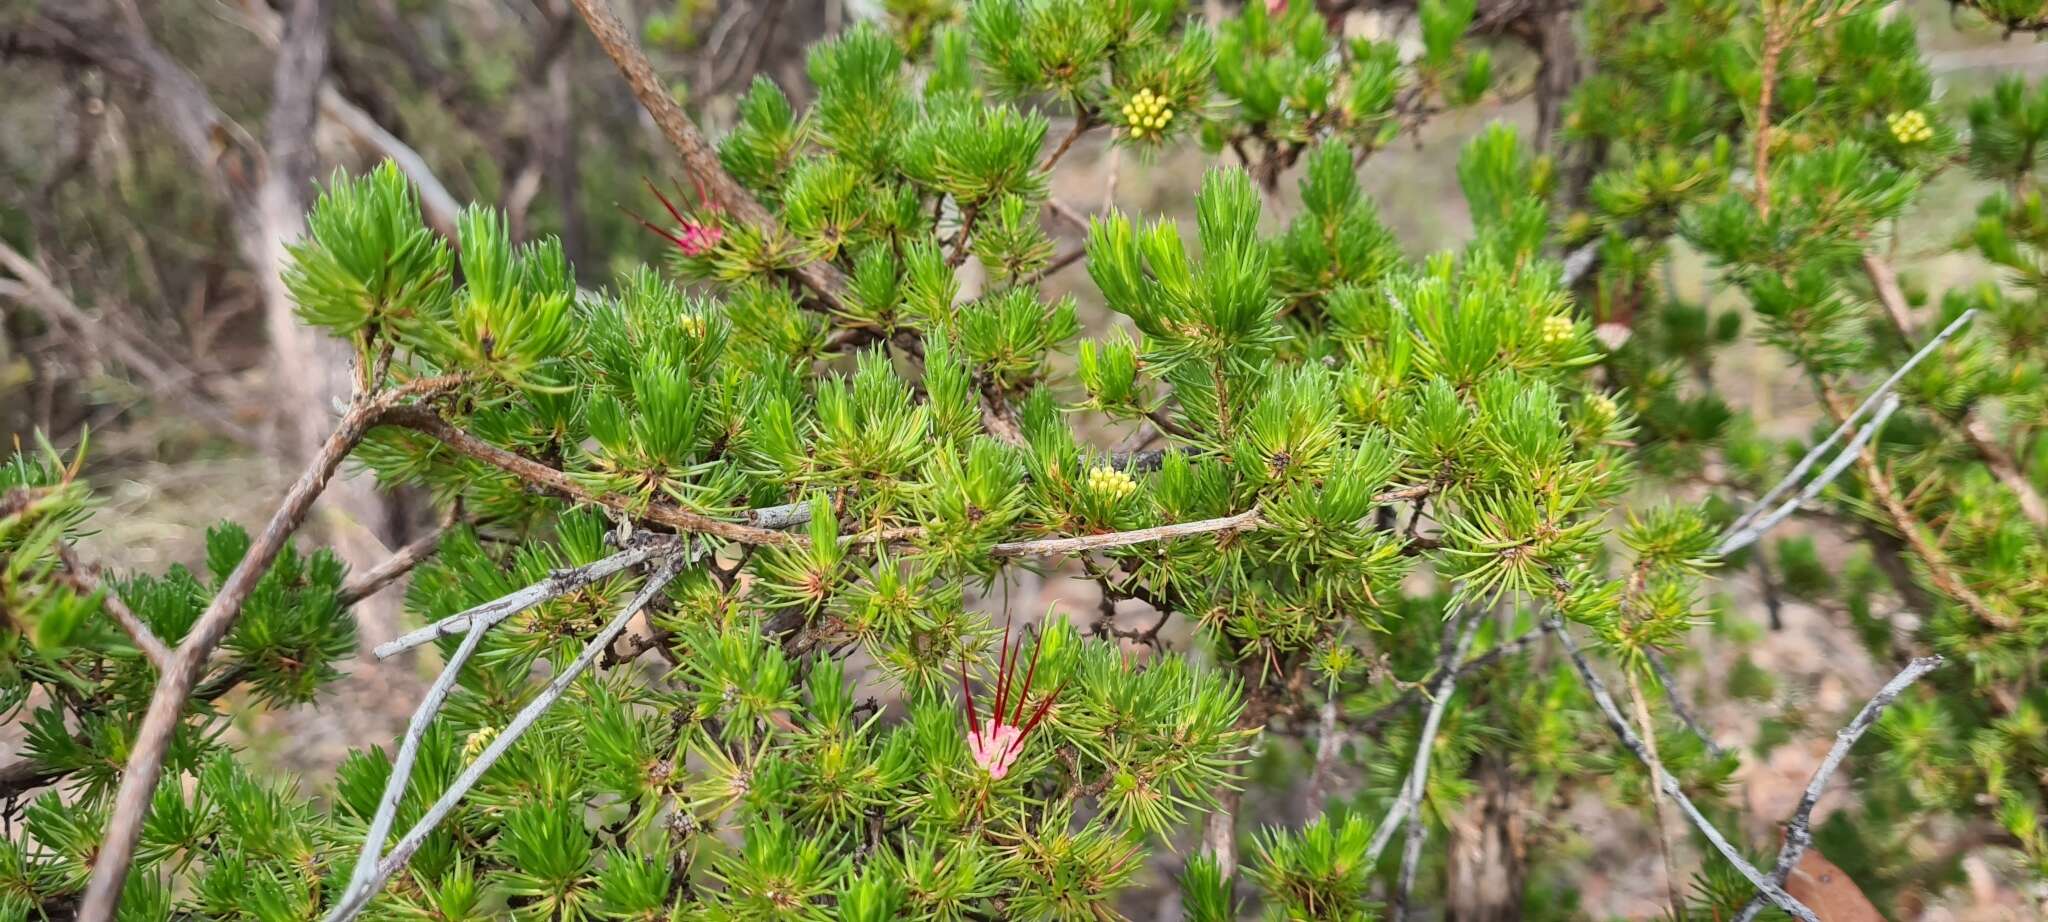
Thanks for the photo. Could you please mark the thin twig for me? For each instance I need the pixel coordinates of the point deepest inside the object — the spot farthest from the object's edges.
(1875, 398)
(1062, 261)
(1049, 547)
(1738, 538)
(1418, 776)
(558, 584)
(1679, 707)
(965, 236)
(1799, 831)
(85, 582)
(2001, 463)
(1669, 784)
(1939, 571)
(373, 580)
(139, 778)
(1084, 119)
(1648, 728)
(402, 852)
(1412, 696)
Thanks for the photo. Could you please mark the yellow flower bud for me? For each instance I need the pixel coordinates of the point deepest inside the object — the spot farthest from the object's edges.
(1111, 483)
(1557, 328)
(478, 741)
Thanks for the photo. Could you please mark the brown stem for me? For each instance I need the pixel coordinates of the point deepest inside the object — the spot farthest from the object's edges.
(1939, 570)
(167, 704)
(84, 582)
(374, 580)
(967, 216)
(1062, 261)
(1773, 47)
(430, 423)
(1083, 120)
(698, 157)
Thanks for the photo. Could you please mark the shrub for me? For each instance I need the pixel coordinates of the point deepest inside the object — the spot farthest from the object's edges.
(706, 624)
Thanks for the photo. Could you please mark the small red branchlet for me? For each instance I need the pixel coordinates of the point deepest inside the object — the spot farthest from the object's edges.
(995, 746)
(692, 236)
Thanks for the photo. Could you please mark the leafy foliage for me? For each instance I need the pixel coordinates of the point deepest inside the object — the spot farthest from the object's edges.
(1370, 462)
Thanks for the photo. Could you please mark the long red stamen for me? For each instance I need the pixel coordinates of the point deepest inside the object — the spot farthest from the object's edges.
(967, 695)
(1023, 698)
(1003, 670)
(650, 225)
(1044, 706)
(665, 203)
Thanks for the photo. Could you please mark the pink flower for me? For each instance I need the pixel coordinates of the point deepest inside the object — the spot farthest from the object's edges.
(995, 746)
(692, 236)
(1275, 7)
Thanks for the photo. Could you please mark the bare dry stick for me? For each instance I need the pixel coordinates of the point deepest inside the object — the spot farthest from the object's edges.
(350, 907)
(1847, 423)
(401, 765)
(1772, 890)
(559, 583)
(84, 582)
(698, 157)
(1048, 547)
(1748, 534)
(1329, 741)
(1799, 831)
(1418, 776)
(1219, 836)
(167, 704)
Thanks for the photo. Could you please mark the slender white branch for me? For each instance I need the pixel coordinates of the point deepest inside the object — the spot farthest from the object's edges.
(1813, 457)
(401, 764)
(350, 906)
(1667, 783)
(559, 583)
(1580, 261)
(1048, 547)
(1748, 532)
(1418, 777)
(1799, 832)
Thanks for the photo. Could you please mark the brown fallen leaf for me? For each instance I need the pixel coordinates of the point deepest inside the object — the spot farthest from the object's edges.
(1828, 891)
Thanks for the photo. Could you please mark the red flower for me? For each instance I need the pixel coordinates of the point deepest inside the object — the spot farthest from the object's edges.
(996, 745)
(692, 236)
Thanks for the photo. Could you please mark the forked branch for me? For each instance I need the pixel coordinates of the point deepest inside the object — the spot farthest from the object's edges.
(139, 778)
(1799, 831)
(1666, 782)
